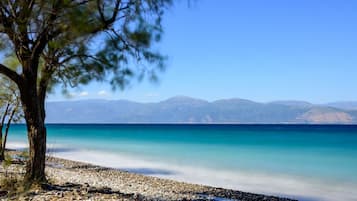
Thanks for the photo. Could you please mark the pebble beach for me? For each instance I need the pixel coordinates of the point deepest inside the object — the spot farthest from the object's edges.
(71, 180)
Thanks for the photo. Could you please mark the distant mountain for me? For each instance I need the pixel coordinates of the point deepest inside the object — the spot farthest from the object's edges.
(346, 105)
(183, 109)
(293, 103)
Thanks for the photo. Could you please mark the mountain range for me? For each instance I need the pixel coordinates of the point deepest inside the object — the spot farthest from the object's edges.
(181, 109)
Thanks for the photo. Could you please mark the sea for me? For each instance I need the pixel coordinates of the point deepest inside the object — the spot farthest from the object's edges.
(305, 162)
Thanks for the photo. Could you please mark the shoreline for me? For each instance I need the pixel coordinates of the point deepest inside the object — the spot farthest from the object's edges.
(279, 185)
(107, 182)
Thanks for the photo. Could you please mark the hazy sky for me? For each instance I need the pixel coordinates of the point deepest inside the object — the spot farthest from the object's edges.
(254, 49)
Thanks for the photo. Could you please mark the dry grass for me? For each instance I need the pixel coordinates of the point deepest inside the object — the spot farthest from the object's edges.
(10, 181)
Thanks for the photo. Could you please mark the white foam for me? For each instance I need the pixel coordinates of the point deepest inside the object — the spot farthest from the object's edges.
(16, 145)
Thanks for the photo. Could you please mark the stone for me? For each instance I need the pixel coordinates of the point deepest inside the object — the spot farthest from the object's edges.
(3, 193)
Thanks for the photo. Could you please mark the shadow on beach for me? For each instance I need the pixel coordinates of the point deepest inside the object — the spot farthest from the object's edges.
(59, 150)
(149, 171)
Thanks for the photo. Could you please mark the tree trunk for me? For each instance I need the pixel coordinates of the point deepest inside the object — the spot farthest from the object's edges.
(14, 110)
(35, 171)
(32, 106)
(2, 148)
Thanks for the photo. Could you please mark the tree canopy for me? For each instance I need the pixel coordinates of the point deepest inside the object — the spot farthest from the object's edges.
(79, 41)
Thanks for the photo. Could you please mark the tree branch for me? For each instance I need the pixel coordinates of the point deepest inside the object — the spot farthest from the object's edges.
(114, 14)
(4, 115)
(12, 114)
(4, 19)
(67, 59)
(10, 73)
(45, 35)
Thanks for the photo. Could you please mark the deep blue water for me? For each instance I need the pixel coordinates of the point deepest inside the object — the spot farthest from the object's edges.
(322, 153)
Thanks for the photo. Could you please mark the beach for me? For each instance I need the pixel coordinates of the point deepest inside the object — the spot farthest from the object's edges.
(233, 101)
(72, 180)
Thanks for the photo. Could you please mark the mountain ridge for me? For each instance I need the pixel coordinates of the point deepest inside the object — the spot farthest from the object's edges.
(184, 109)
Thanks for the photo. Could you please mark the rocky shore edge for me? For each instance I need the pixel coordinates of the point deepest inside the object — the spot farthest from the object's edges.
(72, 180)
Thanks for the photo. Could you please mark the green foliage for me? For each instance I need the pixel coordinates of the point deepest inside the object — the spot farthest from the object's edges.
(12, 62)
(109, 40)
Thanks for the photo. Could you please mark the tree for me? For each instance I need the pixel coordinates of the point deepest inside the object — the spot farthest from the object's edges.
(74, 42)
(10, 110)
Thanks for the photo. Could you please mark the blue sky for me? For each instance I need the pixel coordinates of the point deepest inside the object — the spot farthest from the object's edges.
(253, 49)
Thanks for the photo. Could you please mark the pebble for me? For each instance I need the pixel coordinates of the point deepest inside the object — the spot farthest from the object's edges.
(73, 180)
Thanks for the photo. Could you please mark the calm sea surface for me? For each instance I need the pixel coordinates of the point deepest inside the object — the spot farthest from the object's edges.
(311, 162)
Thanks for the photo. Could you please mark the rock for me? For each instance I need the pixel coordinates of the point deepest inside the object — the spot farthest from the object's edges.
(72, 185)
(59, 194)
(3, 193)
(91, 189)
(46, 186)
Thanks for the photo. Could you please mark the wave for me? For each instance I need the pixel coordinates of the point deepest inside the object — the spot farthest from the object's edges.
(17, 145)
(273, 184)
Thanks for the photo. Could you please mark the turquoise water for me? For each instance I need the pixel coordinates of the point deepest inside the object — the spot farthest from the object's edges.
(309, 153)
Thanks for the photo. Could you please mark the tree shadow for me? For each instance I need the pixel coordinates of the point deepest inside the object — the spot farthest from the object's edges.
(59, 150)
(87, 189)
(149, 171)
